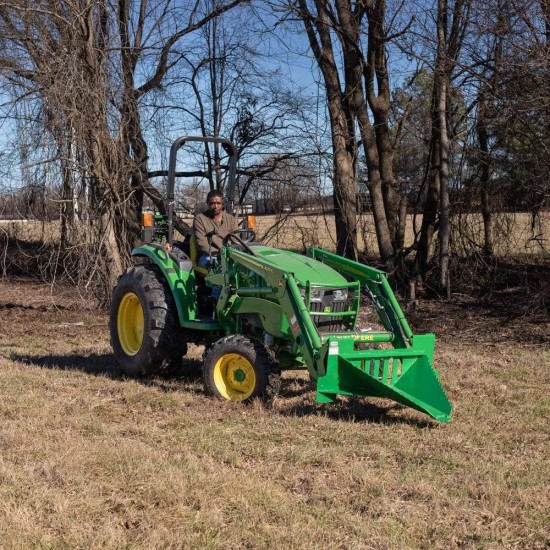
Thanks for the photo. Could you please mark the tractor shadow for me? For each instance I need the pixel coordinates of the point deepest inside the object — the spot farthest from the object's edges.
(297, 399)
(94, 364)
(356, 410)
(296, 396)
(189, 370)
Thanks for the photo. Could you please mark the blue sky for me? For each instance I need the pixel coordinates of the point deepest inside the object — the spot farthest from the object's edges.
(287, 51)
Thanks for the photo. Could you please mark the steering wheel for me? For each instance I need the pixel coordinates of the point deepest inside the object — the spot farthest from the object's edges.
(246, 235)
(235, 238)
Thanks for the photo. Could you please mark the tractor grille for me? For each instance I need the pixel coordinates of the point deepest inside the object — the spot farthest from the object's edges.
(331, 302)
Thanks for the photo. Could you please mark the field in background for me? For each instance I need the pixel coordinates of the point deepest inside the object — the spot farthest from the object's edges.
(514, 233)
(92, 460)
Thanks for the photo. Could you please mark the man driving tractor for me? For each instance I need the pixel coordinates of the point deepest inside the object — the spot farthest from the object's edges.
(211, 226)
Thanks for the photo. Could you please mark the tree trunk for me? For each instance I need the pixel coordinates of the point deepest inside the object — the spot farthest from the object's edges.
(437, 196)
(441, 110)
(345, 208)
(378, 95)
(431, 203)
(482, 136)
(342, 120)
(114, 264)
(444, 206)
(375, 138)
(375, 181)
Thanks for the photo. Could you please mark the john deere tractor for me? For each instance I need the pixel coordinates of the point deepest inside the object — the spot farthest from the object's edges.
(274, 309)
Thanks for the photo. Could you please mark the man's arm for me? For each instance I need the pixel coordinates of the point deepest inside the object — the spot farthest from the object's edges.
(200, 229)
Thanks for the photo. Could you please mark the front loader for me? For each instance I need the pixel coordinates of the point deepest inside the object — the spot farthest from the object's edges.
(276, 309)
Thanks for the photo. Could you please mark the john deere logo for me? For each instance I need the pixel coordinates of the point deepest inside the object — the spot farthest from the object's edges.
(327, 309)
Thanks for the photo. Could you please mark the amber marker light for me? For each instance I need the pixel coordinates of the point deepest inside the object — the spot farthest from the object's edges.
(147, 219)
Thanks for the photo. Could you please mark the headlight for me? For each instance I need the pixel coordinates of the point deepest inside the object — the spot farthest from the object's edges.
(317, 293)
(340, 294)
(314, 293)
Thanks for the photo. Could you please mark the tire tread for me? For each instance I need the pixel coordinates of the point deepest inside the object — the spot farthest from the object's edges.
(267, 369)
(163, 339)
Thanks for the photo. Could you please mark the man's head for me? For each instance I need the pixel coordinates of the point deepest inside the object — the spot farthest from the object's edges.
(214, 200)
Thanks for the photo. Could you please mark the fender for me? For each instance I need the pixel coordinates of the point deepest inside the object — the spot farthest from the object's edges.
(178, 272)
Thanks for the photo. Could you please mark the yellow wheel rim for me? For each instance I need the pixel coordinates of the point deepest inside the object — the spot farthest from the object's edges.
(234, 377)
(130, 324)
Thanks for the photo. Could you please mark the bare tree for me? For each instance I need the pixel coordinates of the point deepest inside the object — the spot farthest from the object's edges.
(452, 20)
(231, 92)
(488, 78)
(318, 24)
(89, 64)
(509, 156)
(349, 42)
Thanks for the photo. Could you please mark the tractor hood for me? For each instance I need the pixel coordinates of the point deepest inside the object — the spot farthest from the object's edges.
(303, 268)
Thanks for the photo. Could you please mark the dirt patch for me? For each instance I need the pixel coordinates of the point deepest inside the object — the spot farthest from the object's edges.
(27, 293)
(468, 319)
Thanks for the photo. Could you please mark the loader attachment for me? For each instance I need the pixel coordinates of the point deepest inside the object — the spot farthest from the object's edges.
(404, 375)
(321, 332)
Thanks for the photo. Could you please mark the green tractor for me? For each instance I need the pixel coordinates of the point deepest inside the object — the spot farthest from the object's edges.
(276, 309)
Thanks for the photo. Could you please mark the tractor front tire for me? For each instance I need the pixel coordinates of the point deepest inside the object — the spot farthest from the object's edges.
(239, 369)
(145, 332)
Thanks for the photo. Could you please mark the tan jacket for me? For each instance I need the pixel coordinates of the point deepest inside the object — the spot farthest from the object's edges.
(203, 224)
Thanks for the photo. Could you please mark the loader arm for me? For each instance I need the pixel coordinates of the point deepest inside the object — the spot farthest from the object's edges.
(376, 282)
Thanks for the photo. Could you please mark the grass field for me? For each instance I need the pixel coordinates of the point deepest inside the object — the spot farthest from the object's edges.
(514, 233)
(90, 459)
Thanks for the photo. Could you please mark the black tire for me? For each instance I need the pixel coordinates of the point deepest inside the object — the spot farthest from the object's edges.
(239, 369)
(145, 331)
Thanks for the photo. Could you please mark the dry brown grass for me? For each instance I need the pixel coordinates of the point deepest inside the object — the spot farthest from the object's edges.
(514, 233)
(31, 231)
(93, 460)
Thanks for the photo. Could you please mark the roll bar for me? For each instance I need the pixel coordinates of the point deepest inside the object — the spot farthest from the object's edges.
(228, 147)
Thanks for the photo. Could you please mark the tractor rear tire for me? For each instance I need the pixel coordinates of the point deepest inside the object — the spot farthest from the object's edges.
(145, 332)
(239, 369)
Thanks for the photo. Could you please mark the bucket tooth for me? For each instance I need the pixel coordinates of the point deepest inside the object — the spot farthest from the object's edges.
(421, 388)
